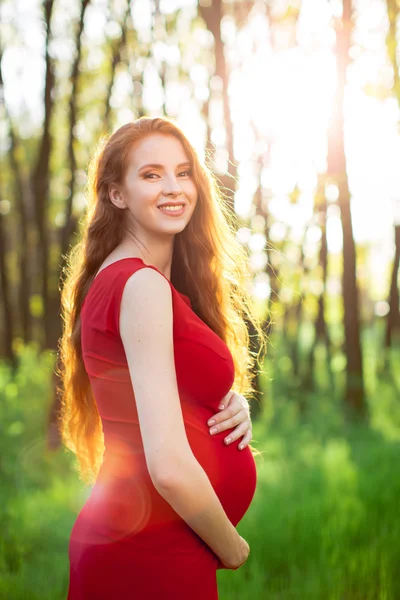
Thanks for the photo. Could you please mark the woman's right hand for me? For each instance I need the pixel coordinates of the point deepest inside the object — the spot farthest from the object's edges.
(238, 558)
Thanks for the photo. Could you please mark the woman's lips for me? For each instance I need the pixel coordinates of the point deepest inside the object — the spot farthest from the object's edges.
(172, 213)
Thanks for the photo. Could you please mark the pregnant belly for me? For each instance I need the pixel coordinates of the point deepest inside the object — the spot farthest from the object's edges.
(124, 501)
(232, 472)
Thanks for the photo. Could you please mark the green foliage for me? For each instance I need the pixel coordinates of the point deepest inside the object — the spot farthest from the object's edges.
(324, 521)
(327, 510)
(39, 492)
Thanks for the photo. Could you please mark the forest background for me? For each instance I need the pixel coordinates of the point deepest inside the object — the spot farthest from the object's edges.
(295, 107)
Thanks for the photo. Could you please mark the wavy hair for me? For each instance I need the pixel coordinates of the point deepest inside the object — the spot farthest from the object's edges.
(209, 265)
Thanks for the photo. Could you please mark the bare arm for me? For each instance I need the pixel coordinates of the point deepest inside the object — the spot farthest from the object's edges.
(146, 329)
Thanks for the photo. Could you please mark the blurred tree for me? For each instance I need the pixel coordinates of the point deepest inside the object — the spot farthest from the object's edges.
(321, 333)
(41, 178)
(263, 146)
(254, 345)
(337, 171)
(118, 52)
(212, 13)
(6, 297)
(69, 223)
(68, 227)
(393, 317)
(21, 197)
(297, 309)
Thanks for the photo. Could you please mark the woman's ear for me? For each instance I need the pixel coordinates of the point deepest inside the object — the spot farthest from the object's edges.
(116, 197)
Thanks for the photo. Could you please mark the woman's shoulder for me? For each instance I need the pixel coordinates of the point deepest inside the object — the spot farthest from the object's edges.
(121, 263)
(124, 267)
(110, 279)
(105, 293)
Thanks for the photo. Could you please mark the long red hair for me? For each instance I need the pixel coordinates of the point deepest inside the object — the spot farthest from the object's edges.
(209, 265)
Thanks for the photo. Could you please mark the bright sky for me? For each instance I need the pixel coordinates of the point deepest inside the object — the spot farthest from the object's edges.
(282, 94)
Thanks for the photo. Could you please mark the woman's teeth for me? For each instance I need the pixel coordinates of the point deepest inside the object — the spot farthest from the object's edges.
(171, 208)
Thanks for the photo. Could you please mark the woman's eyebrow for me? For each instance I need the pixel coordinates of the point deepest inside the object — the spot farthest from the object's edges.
(156, 166)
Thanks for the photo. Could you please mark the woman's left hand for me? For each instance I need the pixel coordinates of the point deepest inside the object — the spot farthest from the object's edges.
(235, 412)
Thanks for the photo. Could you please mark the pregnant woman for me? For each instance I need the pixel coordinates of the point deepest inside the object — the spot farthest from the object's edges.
(154, 307)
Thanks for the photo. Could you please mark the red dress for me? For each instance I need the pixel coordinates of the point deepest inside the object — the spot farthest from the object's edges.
(127, 542)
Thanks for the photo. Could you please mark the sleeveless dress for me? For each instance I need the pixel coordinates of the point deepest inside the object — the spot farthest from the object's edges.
(127, 542)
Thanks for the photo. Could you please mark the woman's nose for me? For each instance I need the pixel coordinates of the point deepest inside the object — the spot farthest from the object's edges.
(171, 186)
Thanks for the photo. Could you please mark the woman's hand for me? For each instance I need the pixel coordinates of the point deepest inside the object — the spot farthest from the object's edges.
(235, 412)
(242, 554)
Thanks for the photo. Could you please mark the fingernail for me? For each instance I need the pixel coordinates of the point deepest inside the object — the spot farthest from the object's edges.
(213, 430)
(228, 440)
(241, 447)
(211, 422)
(221, 406)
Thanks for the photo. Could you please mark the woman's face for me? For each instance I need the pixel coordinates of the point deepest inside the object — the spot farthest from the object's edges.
(158, 173)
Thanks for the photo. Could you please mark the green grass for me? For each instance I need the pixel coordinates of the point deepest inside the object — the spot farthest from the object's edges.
(324, 523)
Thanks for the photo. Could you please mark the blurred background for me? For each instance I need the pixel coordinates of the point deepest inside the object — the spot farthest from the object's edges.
(294, 105)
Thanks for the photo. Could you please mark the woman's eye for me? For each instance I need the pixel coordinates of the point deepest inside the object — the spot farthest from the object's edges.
(187, 173)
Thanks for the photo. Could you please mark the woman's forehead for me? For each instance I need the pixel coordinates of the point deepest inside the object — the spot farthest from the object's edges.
(160, 149)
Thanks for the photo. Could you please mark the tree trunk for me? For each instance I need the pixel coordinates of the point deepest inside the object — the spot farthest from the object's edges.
(321, 332)
(212, 16)
(67, 229)
(6, 298)
(393, 318)
(354, 394)
(41, 180)
(21, 191)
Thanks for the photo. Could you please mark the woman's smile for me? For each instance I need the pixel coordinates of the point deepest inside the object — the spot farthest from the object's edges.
(172, 211)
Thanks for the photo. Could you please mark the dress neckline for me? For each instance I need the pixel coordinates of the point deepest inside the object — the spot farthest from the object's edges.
(142, 261)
